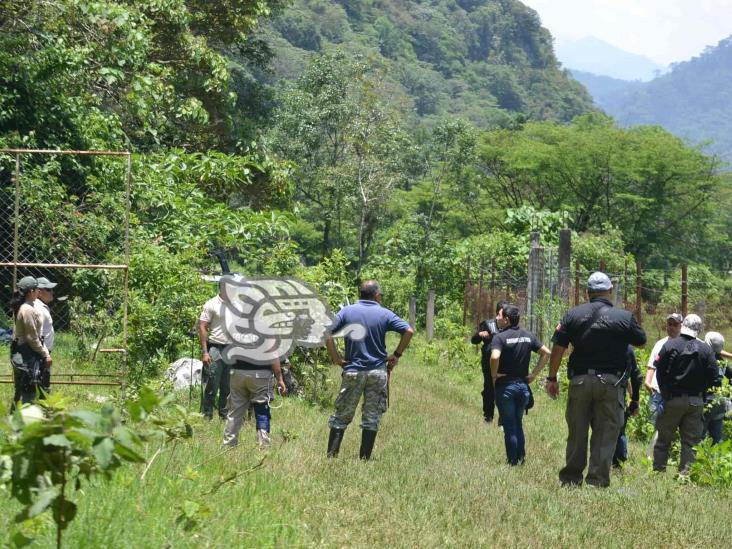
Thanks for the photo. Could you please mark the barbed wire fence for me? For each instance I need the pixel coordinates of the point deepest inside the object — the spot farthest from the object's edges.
(65, 216)
(554, 282)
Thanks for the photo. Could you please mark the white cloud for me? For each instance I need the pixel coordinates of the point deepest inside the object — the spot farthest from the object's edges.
(664, 30)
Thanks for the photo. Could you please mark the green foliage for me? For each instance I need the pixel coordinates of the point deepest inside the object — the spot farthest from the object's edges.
(471, 59)
(48, 451)
(164, 301)
(713, 464)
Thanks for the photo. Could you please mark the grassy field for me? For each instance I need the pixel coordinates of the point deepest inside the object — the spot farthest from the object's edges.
(437, 479)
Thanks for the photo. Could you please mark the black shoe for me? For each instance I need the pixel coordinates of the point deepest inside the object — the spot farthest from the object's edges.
(334, 441)
(367, 444)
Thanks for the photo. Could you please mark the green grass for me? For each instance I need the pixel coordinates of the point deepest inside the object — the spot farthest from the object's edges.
(437, 479)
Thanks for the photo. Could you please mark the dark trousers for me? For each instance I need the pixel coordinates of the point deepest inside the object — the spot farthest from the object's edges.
(28, 374)
(681, 414)
(489, 394)
(512, 398)
(593, 403)
(621, 448)
(217, 384)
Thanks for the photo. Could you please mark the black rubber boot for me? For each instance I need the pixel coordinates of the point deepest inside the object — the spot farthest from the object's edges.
(367, 444)
(334, 442)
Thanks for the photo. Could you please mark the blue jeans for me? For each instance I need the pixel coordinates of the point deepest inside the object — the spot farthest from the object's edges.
(655, 407)
(511, 399)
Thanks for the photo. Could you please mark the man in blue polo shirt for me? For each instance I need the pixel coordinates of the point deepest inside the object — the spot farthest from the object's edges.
(366, 367)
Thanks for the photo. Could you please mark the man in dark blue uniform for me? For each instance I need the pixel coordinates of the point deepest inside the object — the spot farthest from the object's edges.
(486, 330)
(600, 335)
(511, 350)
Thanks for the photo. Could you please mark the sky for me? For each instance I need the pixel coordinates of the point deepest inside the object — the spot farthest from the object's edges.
(665, 31)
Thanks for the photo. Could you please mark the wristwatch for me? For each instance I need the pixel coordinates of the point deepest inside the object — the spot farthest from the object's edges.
(397, 354)
(553, 379)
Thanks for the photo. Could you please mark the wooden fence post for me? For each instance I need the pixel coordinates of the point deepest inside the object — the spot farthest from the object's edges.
(565, 255)
(430, 314)
(413, 312)
(625, 284)
(576, 283)
(536, 266)
(479, 303)
(684, 289)
(493, 287)
(466, 290)
(638, 288)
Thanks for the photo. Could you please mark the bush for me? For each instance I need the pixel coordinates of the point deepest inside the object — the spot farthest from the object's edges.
(713, 465)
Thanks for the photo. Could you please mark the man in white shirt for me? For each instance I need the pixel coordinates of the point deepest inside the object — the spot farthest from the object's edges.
(655, 402)
(214, 338)
(42, 305)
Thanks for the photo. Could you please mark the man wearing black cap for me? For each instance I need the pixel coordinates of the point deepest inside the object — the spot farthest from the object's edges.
(686, 368)
(42, 305)
(600, 335)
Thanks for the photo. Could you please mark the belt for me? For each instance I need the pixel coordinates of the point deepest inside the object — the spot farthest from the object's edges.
(216, 345)
(595, 372)
(505, 379)
(680, 395)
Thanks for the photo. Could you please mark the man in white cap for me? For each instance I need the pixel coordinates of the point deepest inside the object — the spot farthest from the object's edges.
(600, 335)
(686, 367)
(42, 305)
(655, 402)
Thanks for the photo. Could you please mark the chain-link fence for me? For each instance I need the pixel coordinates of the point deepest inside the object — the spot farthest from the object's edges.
(65, 216)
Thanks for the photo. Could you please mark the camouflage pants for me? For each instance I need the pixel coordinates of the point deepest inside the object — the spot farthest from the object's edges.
(369, 383)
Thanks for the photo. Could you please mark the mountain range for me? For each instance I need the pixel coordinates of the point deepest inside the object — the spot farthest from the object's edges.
(595, 56)
(693, 100)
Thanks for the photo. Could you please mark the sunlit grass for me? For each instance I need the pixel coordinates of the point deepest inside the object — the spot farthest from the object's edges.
(438, 478)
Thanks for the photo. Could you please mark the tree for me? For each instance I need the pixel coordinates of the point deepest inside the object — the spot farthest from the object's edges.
(334, 124)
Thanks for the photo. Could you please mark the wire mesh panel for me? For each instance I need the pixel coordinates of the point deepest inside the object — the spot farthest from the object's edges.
(64, 215)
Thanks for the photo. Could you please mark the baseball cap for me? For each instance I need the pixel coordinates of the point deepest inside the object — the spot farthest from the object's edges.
(675, 317)
(46, 284)
(692, 325)
(715, 340)
(599, 282)
(27, 283)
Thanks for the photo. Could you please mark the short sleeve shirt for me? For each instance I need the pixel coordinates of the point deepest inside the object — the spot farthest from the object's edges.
(47, 331)
(213, 314)
(366, 323)
(516, 346)
(602, 343)
(652, 358)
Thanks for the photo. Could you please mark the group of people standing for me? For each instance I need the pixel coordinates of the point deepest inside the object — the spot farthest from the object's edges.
(366, 369)
(682, 372)
(33, 338)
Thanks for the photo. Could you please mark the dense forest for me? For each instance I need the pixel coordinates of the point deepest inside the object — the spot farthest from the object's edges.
(331, 140)
(692, 101)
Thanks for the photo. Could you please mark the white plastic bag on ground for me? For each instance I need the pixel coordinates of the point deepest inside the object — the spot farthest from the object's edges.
(180, 372)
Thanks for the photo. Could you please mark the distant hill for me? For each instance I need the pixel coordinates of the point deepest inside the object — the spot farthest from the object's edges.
(484, 60)
(595, 56)
(606, 91)
(693, 101)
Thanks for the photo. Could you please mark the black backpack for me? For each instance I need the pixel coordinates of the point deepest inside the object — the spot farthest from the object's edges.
(681, 365)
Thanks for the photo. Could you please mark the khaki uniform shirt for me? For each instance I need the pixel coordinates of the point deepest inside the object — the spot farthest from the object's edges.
(213, 315)
(28, 329)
